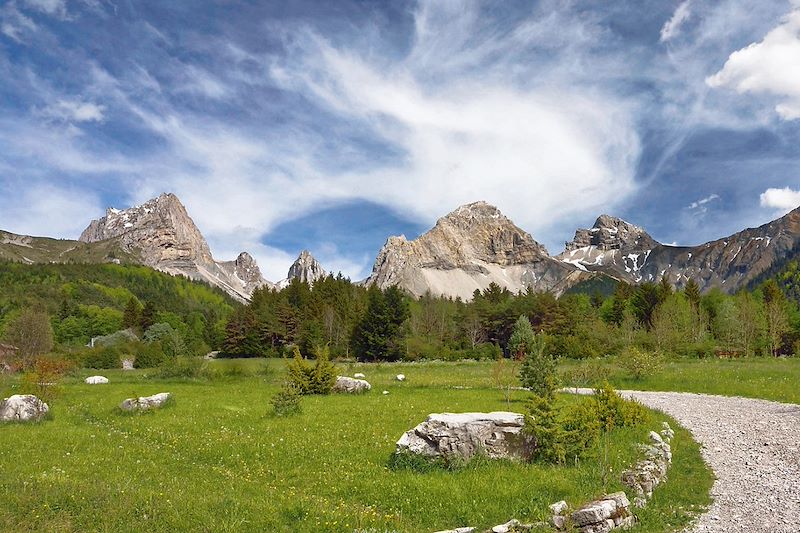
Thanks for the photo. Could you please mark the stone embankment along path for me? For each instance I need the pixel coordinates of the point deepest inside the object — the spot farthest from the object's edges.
(753, 447)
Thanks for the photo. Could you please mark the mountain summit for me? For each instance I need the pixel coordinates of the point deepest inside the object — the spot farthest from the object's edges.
(305, 268)
(163, 235)
(466, 250)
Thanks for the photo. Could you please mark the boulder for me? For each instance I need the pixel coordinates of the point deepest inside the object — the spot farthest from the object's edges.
(400, 377)
(22, 408)
(144, 403)
(127, 364)
(558, 507)
(351, 385)
(459, 530)
(359, 375)
(96, 380)
(511, 525)
(498, 435)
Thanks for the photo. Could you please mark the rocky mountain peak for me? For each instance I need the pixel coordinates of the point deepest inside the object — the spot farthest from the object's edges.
(306, 268)
(467, 249)
(612, 233)
(163, 235)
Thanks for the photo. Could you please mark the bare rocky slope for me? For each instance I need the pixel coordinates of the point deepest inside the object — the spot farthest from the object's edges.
(305, 268)
(628, 253)
(467, 250)
(162, 235)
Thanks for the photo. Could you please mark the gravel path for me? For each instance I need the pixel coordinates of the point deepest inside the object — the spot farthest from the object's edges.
(753, 447)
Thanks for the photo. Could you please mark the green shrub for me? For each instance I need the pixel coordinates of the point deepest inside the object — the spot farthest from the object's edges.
(613, 411)
(102, 357)
(581, 429)
(542, 424)
(286, 401)
(639, 363)
(317, 378)
(149, 355)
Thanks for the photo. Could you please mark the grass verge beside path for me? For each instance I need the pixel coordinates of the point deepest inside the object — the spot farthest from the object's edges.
(213, 461)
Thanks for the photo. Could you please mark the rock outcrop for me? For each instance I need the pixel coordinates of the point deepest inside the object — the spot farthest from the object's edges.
(22, 408)
(498, 435)
(351, 385)
(162, 235)
(144, 403)
(466, 250)
(628, 253)
(305, 268)
(96, 380)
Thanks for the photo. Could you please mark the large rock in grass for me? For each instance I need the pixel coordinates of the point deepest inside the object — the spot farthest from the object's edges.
(144, 403)
(96, 380)
(497, 435)
(351, 385)
(22, 408)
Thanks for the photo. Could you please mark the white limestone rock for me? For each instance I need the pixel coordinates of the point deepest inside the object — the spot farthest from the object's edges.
(96, 380)
(511, 525)
(351, 385)
(558, 507)
(498, 435)
(143, 403)
(400, 377)
(22, 408)
(359, 375)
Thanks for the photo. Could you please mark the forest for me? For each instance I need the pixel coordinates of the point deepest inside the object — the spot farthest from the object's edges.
(137, 312)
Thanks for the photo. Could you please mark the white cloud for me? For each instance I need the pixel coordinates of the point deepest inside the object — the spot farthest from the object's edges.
(74, 111)
(700, 204)
(770, 67)
(43, 209)
(56, 8)
(782, 200)
(672, 27)
(14, 24)
(469, 132)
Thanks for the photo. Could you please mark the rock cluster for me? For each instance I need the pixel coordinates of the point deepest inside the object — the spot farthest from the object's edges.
(145, 403)
(651, 471)
(351, 385)
(22, 408)
(498, 435)
(600, 516)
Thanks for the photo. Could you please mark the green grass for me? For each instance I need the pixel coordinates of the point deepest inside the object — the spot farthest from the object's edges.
(216, 460)
(769, 378)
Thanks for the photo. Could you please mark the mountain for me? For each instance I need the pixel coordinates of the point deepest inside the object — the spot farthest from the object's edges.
(627, 252)
(305, 268)
(162, 235)
(466, 250)
(612, 246)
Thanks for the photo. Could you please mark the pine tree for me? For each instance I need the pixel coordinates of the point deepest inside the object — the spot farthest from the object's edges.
(148, 316)
(692, 292)
(131, 317)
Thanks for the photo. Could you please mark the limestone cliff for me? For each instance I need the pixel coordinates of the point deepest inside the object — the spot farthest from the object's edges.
(466, 250)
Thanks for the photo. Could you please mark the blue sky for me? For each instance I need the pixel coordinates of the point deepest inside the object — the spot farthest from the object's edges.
(331, 125)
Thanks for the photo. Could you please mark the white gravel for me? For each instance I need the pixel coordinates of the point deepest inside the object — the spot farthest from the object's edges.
(753, 447)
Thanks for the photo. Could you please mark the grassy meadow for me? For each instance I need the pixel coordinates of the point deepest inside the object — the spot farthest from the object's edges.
(768, 378)
(216, 460)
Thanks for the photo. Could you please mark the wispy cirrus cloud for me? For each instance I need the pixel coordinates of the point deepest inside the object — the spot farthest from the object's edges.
(672, 27)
